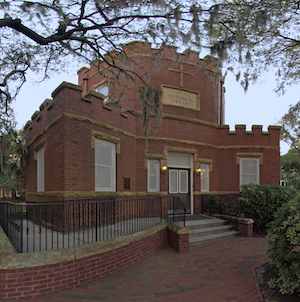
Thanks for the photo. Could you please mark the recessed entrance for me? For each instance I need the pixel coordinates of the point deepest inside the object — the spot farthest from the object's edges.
(179, 183)
(180, 177)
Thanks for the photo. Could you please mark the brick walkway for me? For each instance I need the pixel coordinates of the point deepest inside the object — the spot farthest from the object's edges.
(218, 272)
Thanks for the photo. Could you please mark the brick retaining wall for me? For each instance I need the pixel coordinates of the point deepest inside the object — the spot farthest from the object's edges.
(82, 264)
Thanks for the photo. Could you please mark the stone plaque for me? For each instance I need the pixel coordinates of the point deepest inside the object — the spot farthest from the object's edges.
(180, 98)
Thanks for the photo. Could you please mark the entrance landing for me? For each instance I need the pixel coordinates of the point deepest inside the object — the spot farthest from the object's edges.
(197, 217)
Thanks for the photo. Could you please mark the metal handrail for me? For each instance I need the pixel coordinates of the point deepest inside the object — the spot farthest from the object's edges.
(177, 204)
(63, 224)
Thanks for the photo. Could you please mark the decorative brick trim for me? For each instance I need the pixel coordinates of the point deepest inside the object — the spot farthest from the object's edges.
(252, 154)
(37, 196)
(150, 138)
(67, 85)
(105, 137)
(41, 144)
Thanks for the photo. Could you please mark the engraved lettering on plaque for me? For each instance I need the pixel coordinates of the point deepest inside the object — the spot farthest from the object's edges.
(181, 98)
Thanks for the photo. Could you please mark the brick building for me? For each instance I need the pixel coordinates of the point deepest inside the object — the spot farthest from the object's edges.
(80, 145)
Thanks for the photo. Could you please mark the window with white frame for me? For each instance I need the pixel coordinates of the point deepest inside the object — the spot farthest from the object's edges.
(204, 177)
(105, 166)
(153, 175)
(103, 89)
(249, 171)
(40, 170)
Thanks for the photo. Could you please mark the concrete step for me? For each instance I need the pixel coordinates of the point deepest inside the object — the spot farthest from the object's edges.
(194, 241)
(205, 223)
(211, 230)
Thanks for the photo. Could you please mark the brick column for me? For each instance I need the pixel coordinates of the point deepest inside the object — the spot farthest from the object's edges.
(178, 238)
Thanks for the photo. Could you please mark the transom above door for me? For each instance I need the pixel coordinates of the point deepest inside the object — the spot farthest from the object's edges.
(179, 160)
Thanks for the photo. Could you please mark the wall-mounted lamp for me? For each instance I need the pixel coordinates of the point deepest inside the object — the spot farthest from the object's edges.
(164, 169)
(198, 171)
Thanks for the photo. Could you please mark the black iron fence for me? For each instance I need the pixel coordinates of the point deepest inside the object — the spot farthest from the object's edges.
(221, 204)
(52, 225)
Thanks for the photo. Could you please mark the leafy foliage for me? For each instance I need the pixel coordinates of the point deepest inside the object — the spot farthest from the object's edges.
(47, 36)
(258, 36)
(290, 127)
(260, 202)
(290, 133)
(284, 247)
(290, 168)
(13, 152)
(213, 204)
(221, 205)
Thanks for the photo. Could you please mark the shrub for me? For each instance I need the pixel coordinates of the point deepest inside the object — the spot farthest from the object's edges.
(284, 249)
(214, 204)
(260, 202)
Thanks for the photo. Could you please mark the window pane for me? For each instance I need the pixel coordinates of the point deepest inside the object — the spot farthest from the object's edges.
(104, 154)
(40, 175)
(152, 183)
(204, 177)
(103, 177)
(183, 181)
(184, 160)
(105, 167)
(176, 159)
(173, 181)
(249, 166)
(152, 167)
(153, 175)
(249, 171)
(249, 179)
(103, 90)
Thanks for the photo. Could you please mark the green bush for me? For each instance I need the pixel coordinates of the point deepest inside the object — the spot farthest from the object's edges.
(260, 202)
(214, 205)
(284, 249)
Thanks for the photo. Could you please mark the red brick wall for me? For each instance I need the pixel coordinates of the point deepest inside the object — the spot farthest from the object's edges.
(203, 80)
(33, 281)
(245, 229)
(67, 126)
(178, 242)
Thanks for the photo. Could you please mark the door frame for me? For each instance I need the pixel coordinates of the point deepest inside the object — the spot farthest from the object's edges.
(190, 167)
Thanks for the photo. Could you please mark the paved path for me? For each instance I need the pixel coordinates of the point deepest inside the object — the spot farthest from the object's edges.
(218, 272)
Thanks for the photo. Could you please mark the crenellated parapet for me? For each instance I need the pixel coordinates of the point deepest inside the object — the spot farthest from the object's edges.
(68, 102)
(256, 137)
(140, 56)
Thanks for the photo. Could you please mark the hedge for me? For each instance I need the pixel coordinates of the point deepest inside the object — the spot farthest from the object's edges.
(284, 249)
(260, 202)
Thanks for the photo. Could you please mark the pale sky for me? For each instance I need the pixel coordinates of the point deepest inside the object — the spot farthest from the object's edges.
(259, 106)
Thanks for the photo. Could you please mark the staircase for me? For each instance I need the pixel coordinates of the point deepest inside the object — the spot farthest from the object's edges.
(209, 229)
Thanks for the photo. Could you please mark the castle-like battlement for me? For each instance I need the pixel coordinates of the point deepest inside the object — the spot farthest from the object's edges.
(69, 129)
(255, 137)
(156, 59)
(255, 129)
(68, 102)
